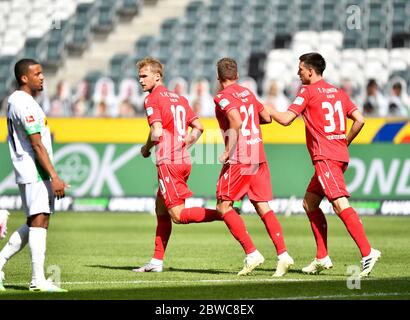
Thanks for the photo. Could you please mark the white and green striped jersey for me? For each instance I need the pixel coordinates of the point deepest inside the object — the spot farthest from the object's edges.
(25, 117)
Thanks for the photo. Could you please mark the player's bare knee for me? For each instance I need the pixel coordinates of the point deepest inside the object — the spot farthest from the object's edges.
(305, 205)
(340, 204)
(223, 208)
(175, 219)
(174, 213)
(40, 220)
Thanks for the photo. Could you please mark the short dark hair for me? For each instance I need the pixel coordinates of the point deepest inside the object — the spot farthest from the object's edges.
(21, 68)
(371, 83)
(397, 85)
(315, 61)
(227, 69)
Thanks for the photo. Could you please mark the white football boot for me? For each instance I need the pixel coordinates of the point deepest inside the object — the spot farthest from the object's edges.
(318, 265)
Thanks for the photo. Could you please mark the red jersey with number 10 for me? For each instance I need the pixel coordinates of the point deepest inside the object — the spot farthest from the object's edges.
(249, 148)
(324, 109)
(175, 114)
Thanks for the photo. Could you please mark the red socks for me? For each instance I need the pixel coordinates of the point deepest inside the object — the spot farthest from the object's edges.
(275, 231)
(238, 229)
(164, 227)
(355, 227)
(319, 227)
(198, 215)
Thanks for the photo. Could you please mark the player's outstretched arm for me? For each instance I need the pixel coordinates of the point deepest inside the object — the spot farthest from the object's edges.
(42, 157)
(358, 123)
(195, 133)
(284, 118)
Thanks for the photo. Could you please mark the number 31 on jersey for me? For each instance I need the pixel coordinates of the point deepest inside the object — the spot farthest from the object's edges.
(330, 116)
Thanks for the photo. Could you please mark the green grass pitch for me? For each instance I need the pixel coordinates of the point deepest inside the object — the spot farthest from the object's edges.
(96, 252)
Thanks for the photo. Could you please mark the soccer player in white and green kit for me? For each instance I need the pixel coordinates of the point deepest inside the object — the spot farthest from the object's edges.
(30, 147)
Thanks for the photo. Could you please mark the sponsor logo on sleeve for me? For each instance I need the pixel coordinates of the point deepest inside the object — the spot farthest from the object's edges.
(150, 111)
(298, 101)
(30, 120)
(224, 103)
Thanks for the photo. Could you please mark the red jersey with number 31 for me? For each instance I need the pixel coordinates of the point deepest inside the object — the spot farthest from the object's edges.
(324, 109)
(175, 114)
(249, 148)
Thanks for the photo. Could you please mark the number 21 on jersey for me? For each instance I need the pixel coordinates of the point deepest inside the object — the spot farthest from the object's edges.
(330, 116)
(249, 116)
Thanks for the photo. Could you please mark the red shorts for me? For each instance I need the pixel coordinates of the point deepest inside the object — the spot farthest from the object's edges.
(238, 180)
(328, 179)
(172, 186)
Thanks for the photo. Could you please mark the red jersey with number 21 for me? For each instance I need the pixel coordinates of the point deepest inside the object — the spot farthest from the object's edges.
(249, 148)
(324, 109)
(175, 114)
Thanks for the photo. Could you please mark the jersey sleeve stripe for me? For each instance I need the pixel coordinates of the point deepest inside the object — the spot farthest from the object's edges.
(155, 120)
(351, 111)
(33, 129)
(192, 119)
(294, 111)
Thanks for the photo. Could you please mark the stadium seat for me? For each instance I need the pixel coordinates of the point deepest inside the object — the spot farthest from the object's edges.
(237, 31)
(329, 52)
(55, 55)
(400, 53)
(334, 37)
(144, 46)
(36, 48)
(189, 30)
(170, 28)
(107, 16)
(214, 11)
(353, 39)
(85, 19)
(119, 65)
(328, 19)
(194, 11)
(354, 54)
(299, 48)
(331, 72)
(374, 69)
(375, 37)
(129, 8)
(379, 54)
(188, 48)
(306, 21)
(397, 65)
(309, 37)
(281, 55)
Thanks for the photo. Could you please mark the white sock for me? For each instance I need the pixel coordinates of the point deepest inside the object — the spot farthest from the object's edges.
(156, 262)
(256, 253)
(37, 242)
(323, 259)
(283, 255)
(17, 241)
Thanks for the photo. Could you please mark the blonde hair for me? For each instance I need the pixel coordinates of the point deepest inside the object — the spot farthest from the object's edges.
(155, 65)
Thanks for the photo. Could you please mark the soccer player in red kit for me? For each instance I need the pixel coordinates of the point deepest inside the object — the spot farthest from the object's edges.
(169, 116)
(245, 170)
(324, 109)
